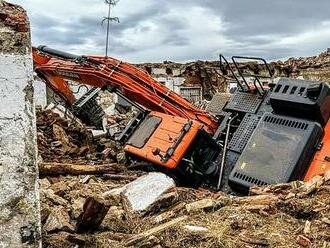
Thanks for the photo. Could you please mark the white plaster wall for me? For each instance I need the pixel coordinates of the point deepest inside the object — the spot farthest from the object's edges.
(173, 83)
(176, 72)
(158, 71)
(19, 199)
(40, 94)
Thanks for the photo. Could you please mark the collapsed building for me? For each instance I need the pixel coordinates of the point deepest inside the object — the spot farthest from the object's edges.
(92, 194)
(206, 76)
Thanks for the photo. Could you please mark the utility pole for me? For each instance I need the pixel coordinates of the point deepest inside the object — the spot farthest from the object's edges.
(109, 19)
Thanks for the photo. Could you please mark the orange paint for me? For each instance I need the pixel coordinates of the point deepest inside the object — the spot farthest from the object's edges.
(321, 161)
(134, 83)
(165, 137)
(138, 86)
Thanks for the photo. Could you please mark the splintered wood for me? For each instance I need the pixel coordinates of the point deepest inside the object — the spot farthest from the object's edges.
(56, 169)
(139, 237)
(94, 211)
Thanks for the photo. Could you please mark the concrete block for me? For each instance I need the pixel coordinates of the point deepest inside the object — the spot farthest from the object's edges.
(145, 190)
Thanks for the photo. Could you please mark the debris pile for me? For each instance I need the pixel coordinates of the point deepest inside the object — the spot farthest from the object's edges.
(208, 75)
(286, 215)
(296, 66)
(90, 201)
(117, 123)
(201, 73)
(67, 140)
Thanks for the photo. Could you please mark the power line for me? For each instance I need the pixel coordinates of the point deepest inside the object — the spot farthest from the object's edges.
(109, 20)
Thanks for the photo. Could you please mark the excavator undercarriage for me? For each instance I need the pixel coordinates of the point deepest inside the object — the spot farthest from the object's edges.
(264, 134)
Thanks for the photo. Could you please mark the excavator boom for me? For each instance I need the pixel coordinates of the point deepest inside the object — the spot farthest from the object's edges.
(115, 75)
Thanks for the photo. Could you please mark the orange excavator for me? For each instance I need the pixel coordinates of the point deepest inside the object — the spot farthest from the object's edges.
(262, 135)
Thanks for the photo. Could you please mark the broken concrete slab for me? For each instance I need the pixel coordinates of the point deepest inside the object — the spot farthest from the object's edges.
(58, 220)
(145, 191)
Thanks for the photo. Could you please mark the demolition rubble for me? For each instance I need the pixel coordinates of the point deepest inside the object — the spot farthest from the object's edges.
(207, 74)
(93, 194)
(92, 198)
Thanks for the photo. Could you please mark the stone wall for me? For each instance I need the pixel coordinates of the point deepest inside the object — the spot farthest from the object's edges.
(19, 198)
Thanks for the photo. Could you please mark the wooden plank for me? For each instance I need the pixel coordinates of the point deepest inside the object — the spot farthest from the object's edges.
(94, 211)
(56, 169)
(153, 231)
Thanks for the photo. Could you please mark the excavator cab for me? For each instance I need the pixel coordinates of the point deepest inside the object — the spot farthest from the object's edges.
(171, 142)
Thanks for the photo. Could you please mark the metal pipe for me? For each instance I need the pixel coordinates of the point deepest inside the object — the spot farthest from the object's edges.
(224, 151)
(58, 53)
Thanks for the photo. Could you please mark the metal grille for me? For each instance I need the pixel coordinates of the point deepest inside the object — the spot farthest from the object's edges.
(244, 102)
(286, 122)
(244, 132)
(218, 102)
(249, 179)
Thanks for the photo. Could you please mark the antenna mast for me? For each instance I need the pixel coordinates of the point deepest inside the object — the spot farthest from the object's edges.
(109, 19)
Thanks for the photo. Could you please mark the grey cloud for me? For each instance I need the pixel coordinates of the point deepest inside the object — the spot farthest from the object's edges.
(263, 17)
(176, 40)
(252, 26)
(256, 22)
(173, 28)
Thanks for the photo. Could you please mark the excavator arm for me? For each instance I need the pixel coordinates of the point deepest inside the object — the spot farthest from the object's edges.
(169, 134)
(108, 73)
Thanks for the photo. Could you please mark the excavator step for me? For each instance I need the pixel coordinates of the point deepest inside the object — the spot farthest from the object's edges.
(217, 103)
(244, 102)
(244, 132)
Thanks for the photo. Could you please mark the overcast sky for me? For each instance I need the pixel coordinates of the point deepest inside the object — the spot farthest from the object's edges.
(181, 30)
